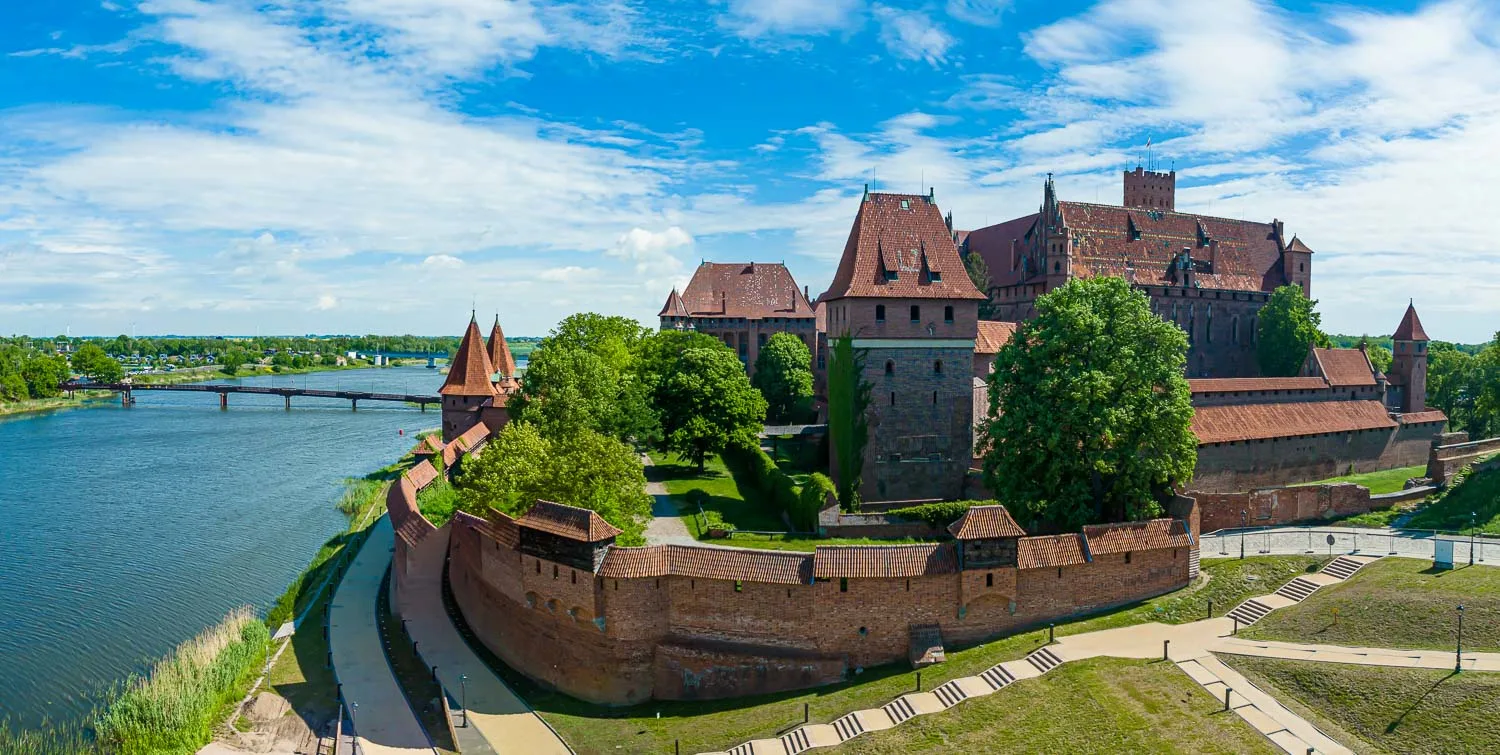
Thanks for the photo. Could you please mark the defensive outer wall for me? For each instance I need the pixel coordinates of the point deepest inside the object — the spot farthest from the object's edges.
(554, 598)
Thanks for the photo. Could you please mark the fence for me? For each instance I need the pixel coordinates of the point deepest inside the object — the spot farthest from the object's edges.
(1412, 543)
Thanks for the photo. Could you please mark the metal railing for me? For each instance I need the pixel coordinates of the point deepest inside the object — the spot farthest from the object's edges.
(1331, 541)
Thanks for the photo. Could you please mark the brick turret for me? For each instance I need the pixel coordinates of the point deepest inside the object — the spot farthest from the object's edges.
(468, 388)
(1150, 190)
(1408, 376)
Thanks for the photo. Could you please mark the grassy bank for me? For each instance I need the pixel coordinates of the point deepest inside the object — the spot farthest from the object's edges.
(1385, 481)
(1478, 495)
(1394, 602)
(718, 725)
(80, 399)
(724, 506)
(1380, 709)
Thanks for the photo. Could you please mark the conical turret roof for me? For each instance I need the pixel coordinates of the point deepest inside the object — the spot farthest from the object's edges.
(470, 372)
(499, 352)
(1410, 328)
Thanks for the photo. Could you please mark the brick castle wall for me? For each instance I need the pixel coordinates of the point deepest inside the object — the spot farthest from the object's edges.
(1244, 465)
(1264, 508)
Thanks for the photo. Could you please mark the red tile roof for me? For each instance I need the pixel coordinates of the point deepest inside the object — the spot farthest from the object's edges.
(635, 563)
(568, 521)
(1136, 536)
(1296, 245)
(993, 334)
(1415, 418)
(985, 522)
(1049, 551)
(752, 290)
(469, 372)
(421, 475)
(429, 445)
(1222, 424)
(498, 351)
(834, 561)
(1344, 367)
(903, 234)
(501, 528)
(1410, 328)
(1245, 254)
(1228, 385)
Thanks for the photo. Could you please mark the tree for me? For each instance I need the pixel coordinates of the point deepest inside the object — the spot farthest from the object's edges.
(91, 362)
(979, 275)
(848, 425)
(657, 354)
(783, 373)
(1091, 418)
(706, 403)
(232, 360)
(13, 387)
(1288, 328)
(1380, 356)
(585, 469)
(582, 376)
(43, 374)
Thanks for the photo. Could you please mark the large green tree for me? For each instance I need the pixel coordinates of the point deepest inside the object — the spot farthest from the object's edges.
(584, 468)
(979, 275)
(91, 362)
(1090, 413)
(1288, 328)
(783, 374)
(43, 374)
(706, 404)
(848, 425)
(583, 376)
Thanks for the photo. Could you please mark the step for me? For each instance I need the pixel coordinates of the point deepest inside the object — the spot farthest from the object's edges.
(997, 677)
(848, 727)
(1044, 660)
(1298, 589)
(1249, 612)
(1193, 563)
(796, 742)
(950, 694)
(899, 710)
(744, 749)
(1342, 567)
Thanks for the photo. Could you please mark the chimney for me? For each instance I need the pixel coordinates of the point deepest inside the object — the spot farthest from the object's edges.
(723, 302)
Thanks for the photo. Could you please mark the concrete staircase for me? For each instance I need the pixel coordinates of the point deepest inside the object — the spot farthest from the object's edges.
(796, 742)
(1343, 567)
(950, 694)
(1298, 589)
(848, 727)
(1044, 660)
(1249, 612)
(899, 710)
(997, 676)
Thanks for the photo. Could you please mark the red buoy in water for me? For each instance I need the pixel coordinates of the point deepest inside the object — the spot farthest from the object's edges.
(400, 432)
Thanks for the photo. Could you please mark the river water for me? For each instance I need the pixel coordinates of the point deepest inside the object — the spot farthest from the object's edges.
(127, 531)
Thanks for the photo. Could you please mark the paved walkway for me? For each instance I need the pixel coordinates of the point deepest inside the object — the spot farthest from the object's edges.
(1191, 646)
(383, 720)
(501, 717)
(1359, 540)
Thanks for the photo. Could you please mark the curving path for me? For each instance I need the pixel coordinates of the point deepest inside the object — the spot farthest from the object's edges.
(502, 718)
(383, 720)
(1192, 648)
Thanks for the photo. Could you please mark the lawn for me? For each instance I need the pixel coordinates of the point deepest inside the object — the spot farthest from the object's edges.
(1385, 481)
(1478, 495)
(718, 725)
(1102, 705)
(438, 501)
(1397, 603)
(724, 507)
(1382, 709)
(807, 544)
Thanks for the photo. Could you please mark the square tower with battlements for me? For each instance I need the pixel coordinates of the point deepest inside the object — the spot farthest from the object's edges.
(902, 294)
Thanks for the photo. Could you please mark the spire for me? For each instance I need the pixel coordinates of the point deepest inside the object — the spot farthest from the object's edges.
(1410, 328)
(469, 373)
(499, 352)
(674, 306)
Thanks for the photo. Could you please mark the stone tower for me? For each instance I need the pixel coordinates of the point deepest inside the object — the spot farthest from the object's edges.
(469, 387)
(902, 294)
(1408, 378)
(1150, 190)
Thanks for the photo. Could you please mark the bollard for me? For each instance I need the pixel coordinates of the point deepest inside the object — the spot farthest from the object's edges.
(919, 681)
(1164, 645)
(1050, 628)
(1236, 625)
(1227, 690)
(1210, 608)
(434, 673)
(676, 743)
(805, 718)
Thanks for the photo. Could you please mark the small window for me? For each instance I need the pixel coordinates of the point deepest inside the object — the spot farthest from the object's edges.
(934, 398)
(554, 571)
(1059, 572)
(843, 584)
(916, 313)
(893, 398)
(1127, 557)
(937, 367)
(934, 276)
(948, 314)
(574, 572)
(538, 566)
(879, 313)
(989, 580)
(905, 205)
(890, 367)
(1056, 267)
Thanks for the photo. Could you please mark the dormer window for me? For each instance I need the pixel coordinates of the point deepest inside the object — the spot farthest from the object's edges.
(905, 205)
(934, 276)
(891, 275)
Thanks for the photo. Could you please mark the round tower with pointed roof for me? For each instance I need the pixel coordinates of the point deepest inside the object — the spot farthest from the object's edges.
(469, 387)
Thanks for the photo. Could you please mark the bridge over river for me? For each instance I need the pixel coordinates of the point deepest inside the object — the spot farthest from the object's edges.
(127, 392)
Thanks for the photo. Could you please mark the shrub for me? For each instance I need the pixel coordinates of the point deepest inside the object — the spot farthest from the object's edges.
(938, 514)
(756, 472)
(810, 501)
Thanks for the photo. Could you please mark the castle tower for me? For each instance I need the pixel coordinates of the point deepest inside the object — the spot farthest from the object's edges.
(902, 294)
(468, 387)
(1150, 190)
(1296, 264)
(499, 352)
(1408, 377)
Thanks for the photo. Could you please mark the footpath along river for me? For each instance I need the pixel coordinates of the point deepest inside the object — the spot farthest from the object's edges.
(127, 531)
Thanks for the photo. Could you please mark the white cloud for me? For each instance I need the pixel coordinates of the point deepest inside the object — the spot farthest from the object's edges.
(326, 302)
(979, 12)
(911, 35)
(443, 261)
(756, 18)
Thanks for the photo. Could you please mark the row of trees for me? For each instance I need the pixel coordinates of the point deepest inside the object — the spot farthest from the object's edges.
(598, 387)
(32, 373)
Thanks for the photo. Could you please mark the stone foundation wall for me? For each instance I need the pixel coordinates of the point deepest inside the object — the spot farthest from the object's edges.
(1444, 461)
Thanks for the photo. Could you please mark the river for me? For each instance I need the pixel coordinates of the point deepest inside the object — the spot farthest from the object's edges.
(127, 531)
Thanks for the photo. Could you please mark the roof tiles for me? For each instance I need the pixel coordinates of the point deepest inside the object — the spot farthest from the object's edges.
(981, 522)
(1136, 536)
(993, 334)
(752, 290)
(469, 372)
(1344, 368)
(568, 521)
(835, 561)
(1223, 424)
(501, 360)
(904, 235)
(1050, 550)
(1410, 328)
(1236, 385)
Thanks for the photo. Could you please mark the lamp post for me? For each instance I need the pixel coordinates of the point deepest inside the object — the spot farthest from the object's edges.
(1458, 658)
(463, 696)
(1471, 540)
(1244, 523)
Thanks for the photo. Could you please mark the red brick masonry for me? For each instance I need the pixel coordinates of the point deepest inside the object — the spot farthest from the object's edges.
(622, 625)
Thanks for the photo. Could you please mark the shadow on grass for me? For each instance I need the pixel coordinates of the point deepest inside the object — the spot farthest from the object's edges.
(1391, 728)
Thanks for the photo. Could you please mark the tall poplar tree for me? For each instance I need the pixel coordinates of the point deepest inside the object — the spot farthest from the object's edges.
(848, 427)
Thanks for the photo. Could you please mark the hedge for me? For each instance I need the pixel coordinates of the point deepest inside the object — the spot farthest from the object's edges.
(939, 514)
(814, 493)
(753, 469)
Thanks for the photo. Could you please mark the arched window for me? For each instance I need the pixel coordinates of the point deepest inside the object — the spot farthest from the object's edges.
(937, 367)
(890, 367)
(879, 313)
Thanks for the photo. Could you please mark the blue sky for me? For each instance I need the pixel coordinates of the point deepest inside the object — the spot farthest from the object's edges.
(377, 165)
